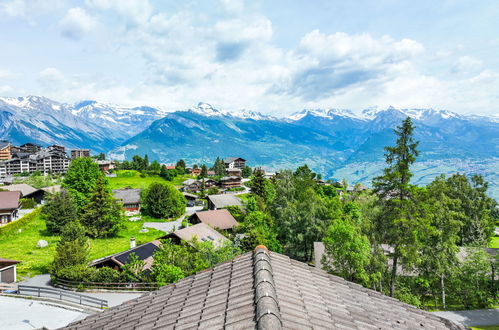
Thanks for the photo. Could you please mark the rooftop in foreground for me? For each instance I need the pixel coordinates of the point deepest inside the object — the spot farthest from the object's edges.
(264, 290)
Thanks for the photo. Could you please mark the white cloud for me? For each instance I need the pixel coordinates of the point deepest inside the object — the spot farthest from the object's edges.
(76, 23)
(51, 79)
(467, 64)
(233, 6)
(133, 11)
(28, 9)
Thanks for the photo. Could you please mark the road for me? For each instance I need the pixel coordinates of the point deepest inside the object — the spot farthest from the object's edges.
(170, 226)
(472, 317)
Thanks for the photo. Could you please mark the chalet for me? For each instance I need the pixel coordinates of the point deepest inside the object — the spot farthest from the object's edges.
(234, 162)
(216, 202)
(262, 289)
(218, 219)
(196, 185)
(80, 153)
(170, 167)
(235, 172)
(10, 204)
(5, 150)
(105, 165)
(129, 197)
(144, 252)
(211, 173)
(228, 182)
(201, 231)
(190, 197)
(356, 188)
(27, 191)
(196, 171)
(8, 270)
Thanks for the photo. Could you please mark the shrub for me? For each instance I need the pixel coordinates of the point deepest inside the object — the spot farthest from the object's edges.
(28, 203)
(106, 275)
(78, 273)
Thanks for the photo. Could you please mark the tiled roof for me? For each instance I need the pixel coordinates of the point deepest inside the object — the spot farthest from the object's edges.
(262, 290)
(202, 232)
(224, 200)
(24, 188)
(127, 196)
(221, 219)
(9, 199)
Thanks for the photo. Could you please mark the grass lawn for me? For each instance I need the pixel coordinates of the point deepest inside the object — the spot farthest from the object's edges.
(494, 243)
(130, 178)
(35, 261)
(486, 327)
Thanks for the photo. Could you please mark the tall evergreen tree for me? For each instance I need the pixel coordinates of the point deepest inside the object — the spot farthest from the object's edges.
(59, 210)
(396, 225)
(204, 171)
(219, 167)
(102, 216)
(258, 183)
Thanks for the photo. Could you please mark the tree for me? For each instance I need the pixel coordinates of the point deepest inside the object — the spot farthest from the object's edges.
(219, 167)
(165, 274)
(258, 183)
(102, 216)
(163, 201)
(71, 252)
(132, 270)
(101, 156)
(59, 210)
(346, 251)
(204, 171)
(396, 225)
(258, 228)
(80, 180)
(439, 247)
(180, 167)
(478, 224)
(155, 167)
(246, 172)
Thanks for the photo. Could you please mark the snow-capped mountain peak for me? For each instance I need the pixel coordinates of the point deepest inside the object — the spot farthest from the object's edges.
(208, 110)
(330, 114)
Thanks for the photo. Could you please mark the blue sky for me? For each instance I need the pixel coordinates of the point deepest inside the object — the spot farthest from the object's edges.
(273, 56)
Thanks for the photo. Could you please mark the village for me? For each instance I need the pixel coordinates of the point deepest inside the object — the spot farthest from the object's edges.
(218, 219)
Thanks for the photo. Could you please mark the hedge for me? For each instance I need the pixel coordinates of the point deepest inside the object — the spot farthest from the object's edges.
(12, 227)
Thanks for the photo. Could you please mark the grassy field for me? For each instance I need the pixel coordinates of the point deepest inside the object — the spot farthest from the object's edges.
(132, 179)
(34, 261)
(494, 243)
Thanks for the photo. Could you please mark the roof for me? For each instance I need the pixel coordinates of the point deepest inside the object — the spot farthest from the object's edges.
(203, 232)
(231, 159)
(127, 196)
(221, 219)
(224, 200)
(24, 188)
(52, 189)
(7, 262)
(143, 252)
(263, 290)
(4, 144)
(9, 199)
(189, 182)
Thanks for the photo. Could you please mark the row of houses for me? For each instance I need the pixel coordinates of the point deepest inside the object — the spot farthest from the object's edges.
(226, 182)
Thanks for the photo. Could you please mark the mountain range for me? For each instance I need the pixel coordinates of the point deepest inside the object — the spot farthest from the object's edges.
(335, 142)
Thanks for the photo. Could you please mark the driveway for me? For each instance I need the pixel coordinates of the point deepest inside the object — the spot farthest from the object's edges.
(472, 317)
(170, 226)
(113, 298)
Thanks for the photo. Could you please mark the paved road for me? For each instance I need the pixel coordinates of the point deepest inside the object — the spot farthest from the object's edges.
(20, 314)
(170, 226)
(113, 298)
(473, 317)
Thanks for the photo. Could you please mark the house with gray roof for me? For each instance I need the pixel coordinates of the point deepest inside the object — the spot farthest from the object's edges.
(264, 290)
(201, 231)
(27, 191)
(129, 197)
(234, 162)
(216, 202)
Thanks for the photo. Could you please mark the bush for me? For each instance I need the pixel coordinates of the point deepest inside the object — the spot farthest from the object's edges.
(165, 274)
(163, 201)
(106, 275)
(78, 273)
(28, 203)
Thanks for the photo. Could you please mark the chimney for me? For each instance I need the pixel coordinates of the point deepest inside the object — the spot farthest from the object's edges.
(132, 242)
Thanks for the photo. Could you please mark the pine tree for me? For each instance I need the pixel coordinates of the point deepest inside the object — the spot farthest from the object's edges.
(59, 210)
(204, 171)
(396, 225)
(102, 216)
(219, 167)
(81, 178)
(258, 183)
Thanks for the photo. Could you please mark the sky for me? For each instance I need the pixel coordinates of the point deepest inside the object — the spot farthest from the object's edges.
(272, 56)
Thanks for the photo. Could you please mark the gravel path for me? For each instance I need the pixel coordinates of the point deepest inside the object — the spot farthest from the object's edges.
(472, 317)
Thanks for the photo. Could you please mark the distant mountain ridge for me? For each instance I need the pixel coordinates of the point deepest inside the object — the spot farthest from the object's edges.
(336, 142)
